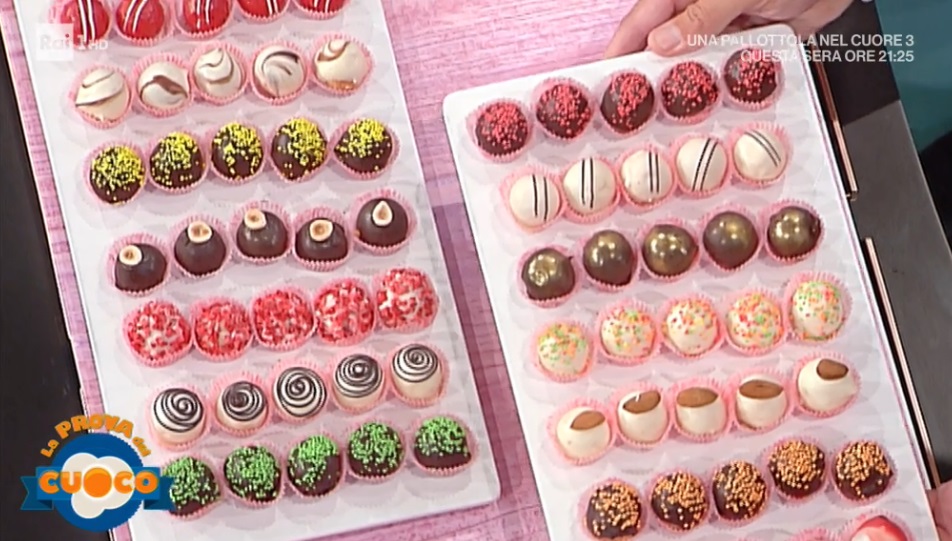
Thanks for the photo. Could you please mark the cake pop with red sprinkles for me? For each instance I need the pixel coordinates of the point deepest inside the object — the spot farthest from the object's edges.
(282, 319)
(158, 333)
(223, 329)
(628, 102)
(563, 110)
(689, 91)
(751, 77)
(405, 300)
(344, 312)
(502, 129)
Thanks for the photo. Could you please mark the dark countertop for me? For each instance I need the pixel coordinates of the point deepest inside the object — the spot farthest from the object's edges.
(40, 386)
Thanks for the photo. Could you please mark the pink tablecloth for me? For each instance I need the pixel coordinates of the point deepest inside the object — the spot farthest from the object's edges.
(441, 46)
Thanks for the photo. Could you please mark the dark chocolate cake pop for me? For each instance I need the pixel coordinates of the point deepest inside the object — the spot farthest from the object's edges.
(262, 235)
(730, 239)
(608, 257)
(199, 249)
(139, 267)
(548, 274)
(669, 250)
(793, 232)
(382, 222)
(321, 240)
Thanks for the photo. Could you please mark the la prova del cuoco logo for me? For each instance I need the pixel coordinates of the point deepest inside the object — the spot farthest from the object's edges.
(96, 480)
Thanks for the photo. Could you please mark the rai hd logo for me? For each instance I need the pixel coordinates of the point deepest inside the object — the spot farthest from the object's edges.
(54, 43)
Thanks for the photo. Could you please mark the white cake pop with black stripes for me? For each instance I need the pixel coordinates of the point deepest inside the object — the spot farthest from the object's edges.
(647, 177)
(589, 186)
(534, 200)
(759, 155)
(702, 164)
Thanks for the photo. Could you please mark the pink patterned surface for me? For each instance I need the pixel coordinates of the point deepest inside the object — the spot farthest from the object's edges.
(441, 46)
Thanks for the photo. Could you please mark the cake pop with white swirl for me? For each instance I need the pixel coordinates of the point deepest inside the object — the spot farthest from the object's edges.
(358, 382)
(417, 373)
(178, 417)
(242, 407)
(299, 393)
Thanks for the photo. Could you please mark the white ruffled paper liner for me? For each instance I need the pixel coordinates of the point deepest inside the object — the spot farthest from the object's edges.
(383, 391)
(789, 499)
(236, 347)
(509, 182)
(216, 475)
(321, 9)
(702, 115)
(853, 526)
(582, 511)
(584, 334)
(204, 34)
(112, 260)
(365, 308)
(863, 501)
(56, 15)
(554, 301)
(604, 86)
(239, 60)
(222, 176)
(726, 399)
(214, 224)
(684, 185)
(279, 464)
(444, 377)
(378, 478)
(91, 120)
(304, 329)
(221, 384)
(666, 405)
(303, 219)
(335, 140)
(353, 219)
(773, 375)
(272, 140)
(141, 66)
(184, 446)
(342, 450)
(575, 216)
(545, 86)
(398, 318)
(833, 281)
(155, 362)
(745, 105)
(628, 304)
(642, 238)
(264, 206)
(755, 223)
(579, 255)
(91, 158)
(833, 356)
(664, 156)
(669, 530)
(254, 18)
(324, 85)
(780, 332)
(262, 93)
(471, 444)
(165, 31)
(587, 404)
(768, 212)
(780, 132)
(709, 305)
(472, 121)
(287, 364)
(203, 154)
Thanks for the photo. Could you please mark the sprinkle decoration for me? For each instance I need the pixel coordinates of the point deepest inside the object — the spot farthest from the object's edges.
(797, 466)
(406, 297)
(377, 448)
(176, 160)
(222, 329)
(819, 302)
(630, 91)
(253, 474)
(565, 106)
(680, 500)
(614, 507)
(238, 144)
(857, 465)
(692, 317)
(503, 128)
(629, 331)
(282, 318)
(303, 142)
(755, 321)
(158, 330)
(562, 343)
(366, 138)
(116, 174)
(688, 90)
(441, 436)
(740, 492)
(344, 312)
(311, 456)
(193, 484)
(751, 75)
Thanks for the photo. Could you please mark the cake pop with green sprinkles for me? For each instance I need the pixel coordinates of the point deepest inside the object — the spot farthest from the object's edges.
(315, 466)
(116, 174)
(441, 444)
(253, 474)
(374, 450)
(194, 486)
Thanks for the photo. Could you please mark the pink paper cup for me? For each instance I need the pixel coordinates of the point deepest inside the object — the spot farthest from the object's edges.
(781, 155)
(753, 54)
(668, 529)
(274, 98)
(641, 245)
(303, 220)
(706, 251)
(90, 161)
(220, 386)
(684, 415)
(700, 308)
(583, 505)
(208, 143)
(154, 434)
(605, 86)
(125, 33)
(863, 500)
(621, 415)
(308, 175)
(282, 318)
(216, 475)
(759, 405)
(817, 303)
(765, 220)
(139, 69)
(556, 89)
(803, 363)
(657, 192)
(351, 86)
(823, 482)
(321, 9)
(183, 226)
(735, 523)
(506, 121)
(264, 206)
(402, 458)
(211, 27)
(237, 329)
(338, 145)
(553, 301)
(852, 528)
(56, 15)
(748, 315)
(151, 173)
(298, 491)
(344, 313)
(472, 448)
(579, 250)
(354, 217)
(92, 120)
(172, 344)
(279, 463)
(293, 386)
(568, 350)
(419, 363)
(351, 376)
(405, 299)
(573, 215)
(626, 328)
(691, 174)
(546, 190)
(816, 534)
(673, 88)
(239, 62)
(140, 238)
(275, 9)
(561, 425)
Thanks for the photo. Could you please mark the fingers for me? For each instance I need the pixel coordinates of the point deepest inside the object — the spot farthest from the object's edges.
(700, 19)
(632, 33)
(817, 16)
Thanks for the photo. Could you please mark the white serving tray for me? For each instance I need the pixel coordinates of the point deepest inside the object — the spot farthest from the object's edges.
(92, 228)
(879, 412)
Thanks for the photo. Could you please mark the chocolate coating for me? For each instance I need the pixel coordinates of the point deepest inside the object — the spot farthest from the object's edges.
(200, 486)
(793, 231)
(730, 239)
(628, 102)
(680, 501)
(740, 491)
(237, 153)
(609, 258)
(321, 240)
(374, 450)
(365, 147)
(382, 222)
(862, 471)
(502, 129)
(798, 468)
(614, 512)
(669, 250)
(548, 274)
(689, 90)
(750, 76)
(314, 475)
(564, 111)
(176, 162)
(140, 271)
(270, 240)
(201, 252)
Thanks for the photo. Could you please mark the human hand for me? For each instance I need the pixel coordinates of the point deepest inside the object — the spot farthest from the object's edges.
(941, 502)
(666, 26)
